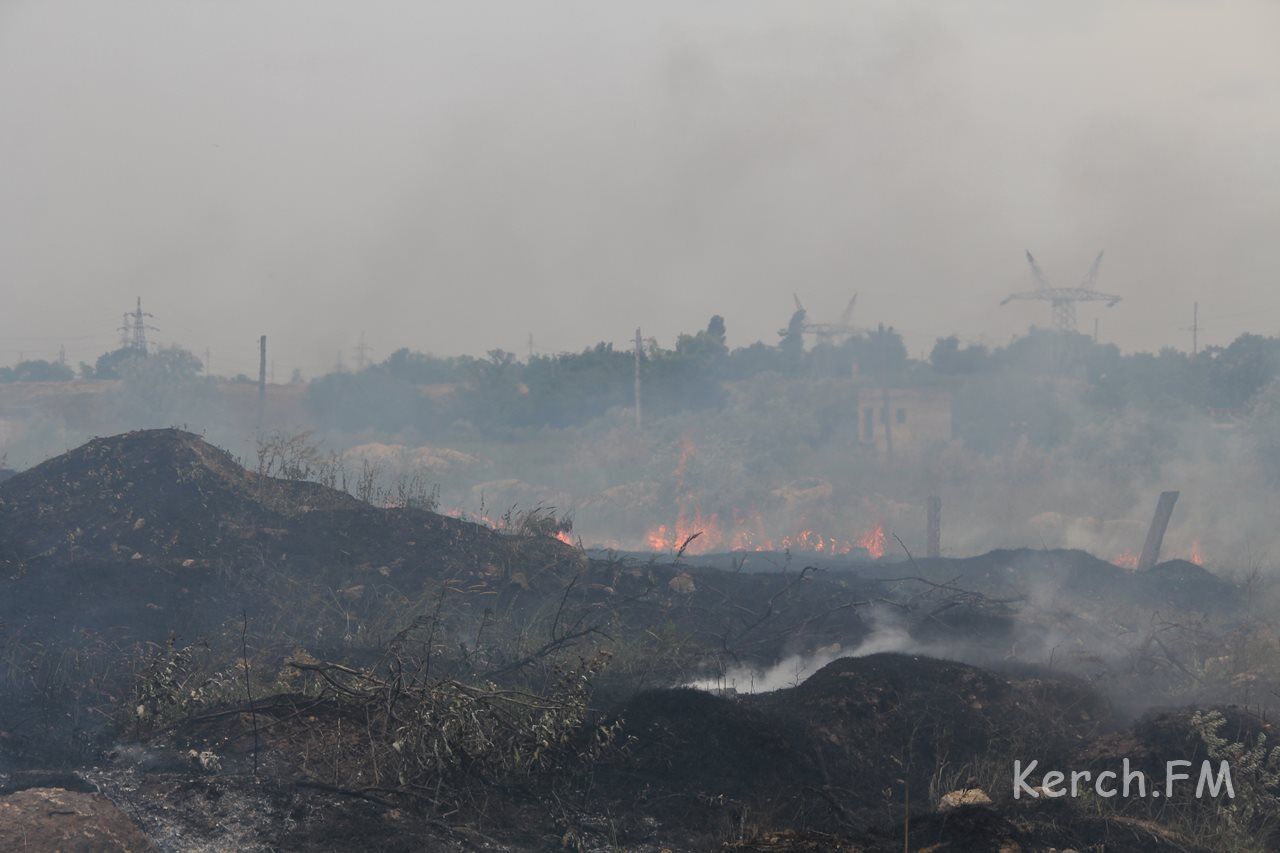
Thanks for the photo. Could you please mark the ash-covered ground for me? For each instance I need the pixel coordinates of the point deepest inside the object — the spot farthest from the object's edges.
(198, 657)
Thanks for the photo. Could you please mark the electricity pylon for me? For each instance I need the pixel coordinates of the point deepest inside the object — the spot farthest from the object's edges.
(1062, 300)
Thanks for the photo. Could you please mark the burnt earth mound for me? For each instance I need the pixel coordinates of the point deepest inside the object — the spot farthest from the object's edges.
(169, 497)
(839, 750)
(1058, 575)
(911, 711)
(1188, 586)
(162, 532)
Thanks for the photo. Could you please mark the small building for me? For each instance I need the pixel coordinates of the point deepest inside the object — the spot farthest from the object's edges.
(912, 418)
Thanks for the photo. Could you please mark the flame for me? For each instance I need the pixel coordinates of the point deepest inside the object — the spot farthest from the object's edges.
(463, 515)
(564, 537)
(873, 540)
(1126, 560)
(688, 523)
(746, 533)
(1197, 556)
(740, 530)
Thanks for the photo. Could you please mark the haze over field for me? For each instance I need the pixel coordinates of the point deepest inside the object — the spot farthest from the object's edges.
(455, 177)
(637, 426)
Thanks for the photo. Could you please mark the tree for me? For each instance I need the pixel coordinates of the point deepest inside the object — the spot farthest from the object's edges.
(421, 368)
(1242, 369)
(948, 358)
(708, 344)
(37, 370)
(165, 387)
(110, 365)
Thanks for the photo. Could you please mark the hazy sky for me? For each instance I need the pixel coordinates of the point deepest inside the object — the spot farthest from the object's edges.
(455, 176)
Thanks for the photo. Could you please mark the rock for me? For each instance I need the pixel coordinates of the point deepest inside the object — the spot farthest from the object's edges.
(206, 760)
(44, 820)
(964, 797)
(682, 584)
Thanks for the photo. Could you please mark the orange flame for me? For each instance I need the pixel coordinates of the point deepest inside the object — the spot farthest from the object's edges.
(1197, 556)
(1126, 560)
(564, 537)
(742, 531)
(746, 534)
(874, 541)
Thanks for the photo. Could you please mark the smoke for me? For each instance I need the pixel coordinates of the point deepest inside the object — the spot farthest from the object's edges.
(888, 633)
(452, 179)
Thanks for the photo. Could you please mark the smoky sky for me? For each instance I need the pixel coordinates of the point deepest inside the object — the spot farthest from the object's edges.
(455, 177)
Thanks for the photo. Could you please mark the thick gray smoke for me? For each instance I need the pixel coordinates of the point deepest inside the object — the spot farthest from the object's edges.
(452, 178)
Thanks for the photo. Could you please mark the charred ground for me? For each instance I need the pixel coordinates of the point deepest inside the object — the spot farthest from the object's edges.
(243, 660)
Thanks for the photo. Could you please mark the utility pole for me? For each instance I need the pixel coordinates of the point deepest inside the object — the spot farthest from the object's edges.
(1155, 534)
(531, 346)
(262, 383)
(639, 346)
(933, 525)
(885, 415)
(62, 354)
(1194, 329)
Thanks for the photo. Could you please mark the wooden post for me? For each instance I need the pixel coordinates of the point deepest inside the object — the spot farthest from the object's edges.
(934, 514)
(1155, 535)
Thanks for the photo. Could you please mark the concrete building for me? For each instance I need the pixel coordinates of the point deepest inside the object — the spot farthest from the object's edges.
(914, 418)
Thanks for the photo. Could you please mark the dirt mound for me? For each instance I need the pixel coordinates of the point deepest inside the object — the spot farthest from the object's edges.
(839, 749)
(163, 532)
(140, 491)
(109, 551)
(1025, 571)
(1189, 586)
(716, 745)
(52, 819)
(908, 715)
(166, 493)
(1056, 576)
(857, 692)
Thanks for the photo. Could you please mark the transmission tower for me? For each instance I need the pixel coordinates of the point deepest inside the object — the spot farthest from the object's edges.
(133, 334)
(831, 333)
(1062, 300)
(362, 351)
